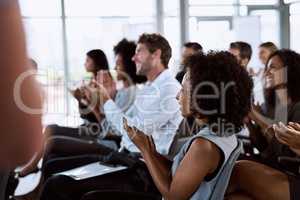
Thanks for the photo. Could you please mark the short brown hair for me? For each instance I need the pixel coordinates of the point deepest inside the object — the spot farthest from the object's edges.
(156, 41)
(244, 48)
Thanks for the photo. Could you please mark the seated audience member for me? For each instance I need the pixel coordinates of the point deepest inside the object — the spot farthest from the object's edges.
(189, 49)
(127, 79)
(242, 51)
(95, 60)
(282, 103)
(199, 163)
(188, 126)
(266, 49)
(268, 182)
(282, 75)
(124, 97)
(154, 109)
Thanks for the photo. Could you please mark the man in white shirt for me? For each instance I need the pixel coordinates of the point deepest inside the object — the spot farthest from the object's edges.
(155, 110)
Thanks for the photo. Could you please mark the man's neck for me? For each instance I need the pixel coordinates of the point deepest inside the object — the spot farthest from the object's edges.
(155, 72)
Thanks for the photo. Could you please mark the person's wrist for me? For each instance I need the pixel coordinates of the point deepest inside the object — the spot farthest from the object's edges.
(147, 153)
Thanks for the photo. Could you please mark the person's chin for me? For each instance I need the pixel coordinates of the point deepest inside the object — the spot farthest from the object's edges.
(138, 69)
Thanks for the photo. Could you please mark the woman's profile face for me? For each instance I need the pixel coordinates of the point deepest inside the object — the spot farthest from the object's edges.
(184, 97)
(275, 74)
(89, 64)
(119, 67)
(264, 55)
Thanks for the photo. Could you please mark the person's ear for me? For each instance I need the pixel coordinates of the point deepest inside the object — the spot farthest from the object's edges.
(157, 54)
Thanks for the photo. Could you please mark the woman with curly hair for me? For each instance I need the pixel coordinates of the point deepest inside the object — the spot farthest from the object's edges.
(217, 92)
(273, 179)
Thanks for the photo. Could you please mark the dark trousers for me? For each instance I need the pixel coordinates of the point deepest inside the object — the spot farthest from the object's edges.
(66, 188)
(82, 132)
(66, 153)
(68, 148)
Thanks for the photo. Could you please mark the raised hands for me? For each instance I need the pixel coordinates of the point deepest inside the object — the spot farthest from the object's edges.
(105, 80)
(288, 135)
(100, 90)
(145, 143)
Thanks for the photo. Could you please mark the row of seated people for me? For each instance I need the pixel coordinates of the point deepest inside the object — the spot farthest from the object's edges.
(216, 93)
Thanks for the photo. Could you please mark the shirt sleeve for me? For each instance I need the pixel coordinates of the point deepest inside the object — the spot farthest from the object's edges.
(148, 116)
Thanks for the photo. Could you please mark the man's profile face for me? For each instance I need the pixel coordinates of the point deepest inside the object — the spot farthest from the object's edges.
(237, 55)
(143, 59)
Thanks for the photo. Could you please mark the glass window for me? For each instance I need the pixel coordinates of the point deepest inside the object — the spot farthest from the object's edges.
(44, 44)
(171, 8)
(295, 32)
(40, 8)
(106, 33)
(269, 20)
(110, 8)
(258, 2)
(211, 2)
(295, 8)
(172, 31)
(211, 10)
(207, 33)
(291, 1)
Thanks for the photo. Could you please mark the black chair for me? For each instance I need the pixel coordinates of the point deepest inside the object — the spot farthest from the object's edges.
(293, 163)
(4, 176)
(119, 195)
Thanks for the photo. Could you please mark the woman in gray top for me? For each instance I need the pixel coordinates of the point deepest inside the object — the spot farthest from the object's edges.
(196, 168)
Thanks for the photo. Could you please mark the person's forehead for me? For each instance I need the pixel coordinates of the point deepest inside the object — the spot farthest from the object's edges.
(273, 61)
(263, 49)
(234, 51)
(141, 46)
(188, 49)
(118, 57)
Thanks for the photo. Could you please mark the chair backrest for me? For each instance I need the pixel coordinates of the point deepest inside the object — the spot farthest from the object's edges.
(224, 177)
(117, 195)
(3, 184)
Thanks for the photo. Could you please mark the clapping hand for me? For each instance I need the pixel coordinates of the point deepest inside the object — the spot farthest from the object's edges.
(288, 135)
(106, 82)
(144, 142)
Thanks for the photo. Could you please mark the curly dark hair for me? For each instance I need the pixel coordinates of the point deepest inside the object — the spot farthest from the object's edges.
(126, 49)
(219, 71)
(291, 60)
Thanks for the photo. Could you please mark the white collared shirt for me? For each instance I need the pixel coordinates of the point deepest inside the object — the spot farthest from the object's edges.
(155, 111)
